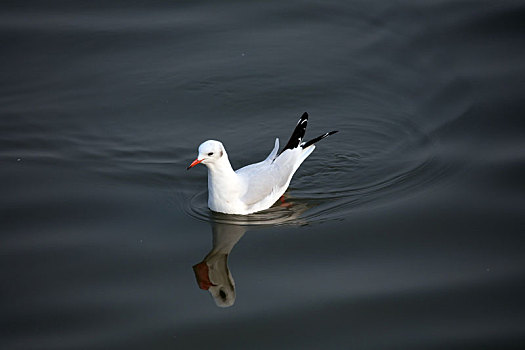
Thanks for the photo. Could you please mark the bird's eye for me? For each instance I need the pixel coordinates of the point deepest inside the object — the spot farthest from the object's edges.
(223, 294)
(210, 154)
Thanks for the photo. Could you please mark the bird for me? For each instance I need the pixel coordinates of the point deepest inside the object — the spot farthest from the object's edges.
(258, 186)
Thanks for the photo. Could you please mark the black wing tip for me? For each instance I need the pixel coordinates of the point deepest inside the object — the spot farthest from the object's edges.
(298, 134)
(318, 138)
(303, 119)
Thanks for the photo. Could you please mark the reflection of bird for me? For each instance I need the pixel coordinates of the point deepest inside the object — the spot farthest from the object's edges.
(212, 273)
(256, 186)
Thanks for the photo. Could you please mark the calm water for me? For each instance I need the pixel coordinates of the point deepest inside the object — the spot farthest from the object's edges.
(403, 231)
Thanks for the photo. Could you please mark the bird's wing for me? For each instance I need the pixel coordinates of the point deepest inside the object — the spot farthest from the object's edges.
(273, 153)
(260, 183)
(261, 178)
(269, 178)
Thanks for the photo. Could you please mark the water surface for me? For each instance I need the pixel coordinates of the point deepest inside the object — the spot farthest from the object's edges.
(402, 231)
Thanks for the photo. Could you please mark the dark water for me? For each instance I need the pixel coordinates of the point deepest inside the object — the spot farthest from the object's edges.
(405, 230)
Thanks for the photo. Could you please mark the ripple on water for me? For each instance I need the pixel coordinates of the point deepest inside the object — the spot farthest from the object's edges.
(377, 160)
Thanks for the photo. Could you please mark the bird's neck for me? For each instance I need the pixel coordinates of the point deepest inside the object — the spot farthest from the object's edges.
(225, 237)
(221, 169)
(223, 183)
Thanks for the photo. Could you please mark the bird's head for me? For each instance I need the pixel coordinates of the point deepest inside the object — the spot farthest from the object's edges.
(209, 152)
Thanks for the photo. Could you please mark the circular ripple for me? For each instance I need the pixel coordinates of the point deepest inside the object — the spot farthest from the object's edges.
(288, 213)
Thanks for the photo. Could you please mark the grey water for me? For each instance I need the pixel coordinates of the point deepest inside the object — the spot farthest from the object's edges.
(403, 231)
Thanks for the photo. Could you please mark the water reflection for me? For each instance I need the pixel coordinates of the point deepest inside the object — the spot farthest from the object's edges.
(213, 273)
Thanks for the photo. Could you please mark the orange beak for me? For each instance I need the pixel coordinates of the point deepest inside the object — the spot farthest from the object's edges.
(195, 162)
(202, 274)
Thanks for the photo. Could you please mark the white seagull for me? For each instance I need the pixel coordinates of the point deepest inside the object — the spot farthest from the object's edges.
(258, 186)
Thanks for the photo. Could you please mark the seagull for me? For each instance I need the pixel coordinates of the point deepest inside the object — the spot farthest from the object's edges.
(258, 186)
